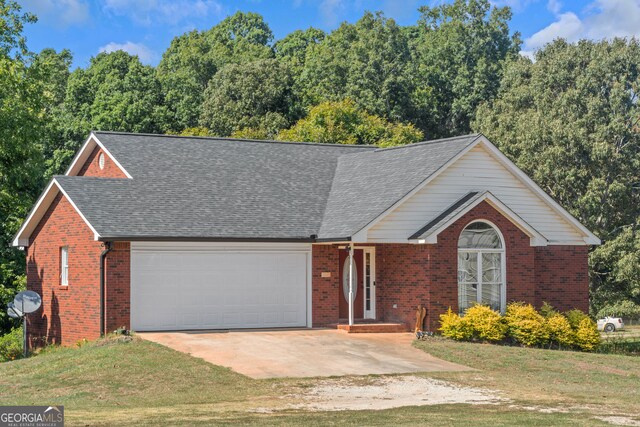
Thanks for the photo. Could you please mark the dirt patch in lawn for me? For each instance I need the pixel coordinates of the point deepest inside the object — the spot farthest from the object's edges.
(390, 392)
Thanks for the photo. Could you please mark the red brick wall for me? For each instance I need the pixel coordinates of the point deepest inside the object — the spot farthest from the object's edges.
(403, 279)
(117, 286)
(409, 274)
(443, 270)
(92, 166)
(324, 298)
(562, 277)
(71, 313)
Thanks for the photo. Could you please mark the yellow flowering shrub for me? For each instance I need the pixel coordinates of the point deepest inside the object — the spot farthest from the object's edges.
(485, 323)
(525, 325)
(560, 331)
(587, 335)
(455, 327)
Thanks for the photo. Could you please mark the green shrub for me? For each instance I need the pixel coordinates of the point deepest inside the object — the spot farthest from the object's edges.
(587, 335)
(627, 309)
(11, 345)
(525, 325)
(485, 324)
(547, 310)
(455, 327)
(560, 331)
(575, 317)
(619, 345)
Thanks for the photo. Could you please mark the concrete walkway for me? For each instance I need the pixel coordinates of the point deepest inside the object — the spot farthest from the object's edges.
(305, 352)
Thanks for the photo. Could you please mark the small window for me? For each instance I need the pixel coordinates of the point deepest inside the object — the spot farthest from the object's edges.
(64, 266)
(101, 160)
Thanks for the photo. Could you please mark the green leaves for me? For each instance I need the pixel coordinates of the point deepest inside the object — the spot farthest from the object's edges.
(253, 95)
(343, 123)
(570, 120)
(21, 160)
(194, 58)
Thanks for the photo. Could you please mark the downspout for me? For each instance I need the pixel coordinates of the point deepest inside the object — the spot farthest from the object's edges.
(103, 257)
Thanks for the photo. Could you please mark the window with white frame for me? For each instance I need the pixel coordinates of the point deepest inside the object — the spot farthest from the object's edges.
(64, 266)
(481, 267)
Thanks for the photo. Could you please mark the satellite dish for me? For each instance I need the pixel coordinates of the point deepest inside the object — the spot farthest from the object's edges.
(13, 312)
(27, 302)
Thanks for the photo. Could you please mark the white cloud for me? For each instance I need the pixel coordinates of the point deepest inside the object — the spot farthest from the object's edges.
(603, 19)
(145, 54)
(59, 13)
(148, 12)
(554, 6)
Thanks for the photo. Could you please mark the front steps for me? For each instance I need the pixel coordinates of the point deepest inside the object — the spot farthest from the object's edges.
(372, 328)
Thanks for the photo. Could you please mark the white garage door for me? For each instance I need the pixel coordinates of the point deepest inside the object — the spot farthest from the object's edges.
(182, 286)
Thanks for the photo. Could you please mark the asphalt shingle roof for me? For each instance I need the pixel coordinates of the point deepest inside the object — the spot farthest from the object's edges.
(213, 188)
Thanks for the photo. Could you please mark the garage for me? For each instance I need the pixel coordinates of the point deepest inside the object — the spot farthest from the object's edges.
(187, 286)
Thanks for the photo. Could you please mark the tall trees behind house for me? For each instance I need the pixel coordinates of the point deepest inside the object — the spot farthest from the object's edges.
(21, 160)
(194, 58)
(569, 119)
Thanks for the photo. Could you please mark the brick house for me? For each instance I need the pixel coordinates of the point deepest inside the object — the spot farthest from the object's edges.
(155, 232)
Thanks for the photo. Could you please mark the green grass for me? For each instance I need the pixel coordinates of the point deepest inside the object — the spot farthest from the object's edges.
(546, 377)
(113, 382)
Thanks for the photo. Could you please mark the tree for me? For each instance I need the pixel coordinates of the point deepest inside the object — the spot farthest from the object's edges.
(458, 53)
(571, 120)
(294, 47)
(343, 123)
(366, 62)
(21, 162)
(193, 59)
(116, 93)
(12, 42)
(253, 95)
(51, 69)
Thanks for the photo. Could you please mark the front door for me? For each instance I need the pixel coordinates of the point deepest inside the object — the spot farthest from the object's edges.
(364, 284)
(358, 308)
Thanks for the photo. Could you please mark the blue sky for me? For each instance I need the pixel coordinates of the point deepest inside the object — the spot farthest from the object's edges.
(146, 27)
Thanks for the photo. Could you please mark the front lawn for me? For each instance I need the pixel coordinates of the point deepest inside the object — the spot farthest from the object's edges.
(113, 382)
(609, 383)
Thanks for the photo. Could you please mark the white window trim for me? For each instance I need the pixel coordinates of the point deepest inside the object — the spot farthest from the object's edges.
(64, 266)
(503, 265)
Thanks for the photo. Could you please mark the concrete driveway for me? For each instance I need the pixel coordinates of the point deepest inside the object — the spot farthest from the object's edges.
(304, 352)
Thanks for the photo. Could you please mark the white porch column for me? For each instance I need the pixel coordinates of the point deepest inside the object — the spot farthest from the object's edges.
(351, 283)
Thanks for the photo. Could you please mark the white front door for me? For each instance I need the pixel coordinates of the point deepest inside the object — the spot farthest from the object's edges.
(369, 278)
(181, 286)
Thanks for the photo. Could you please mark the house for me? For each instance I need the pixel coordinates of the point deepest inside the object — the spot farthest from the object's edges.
(155, 232)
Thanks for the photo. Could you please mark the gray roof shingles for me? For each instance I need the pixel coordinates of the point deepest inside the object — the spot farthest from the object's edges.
(213, 188)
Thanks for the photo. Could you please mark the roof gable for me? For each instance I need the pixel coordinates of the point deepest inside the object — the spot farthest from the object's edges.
(429, 233)
(84, 154)
(479, 168)
(368, 184)
(38, 211)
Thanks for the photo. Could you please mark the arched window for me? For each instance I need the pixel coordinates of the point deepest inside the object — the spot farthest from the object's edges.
(481, 267)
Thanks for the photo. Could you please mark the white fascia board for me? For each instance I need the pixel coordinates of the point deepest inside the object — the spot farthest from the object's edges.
(44, 201)
(535, 238)
(48, 194)
(85, 151)
(589, 237)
